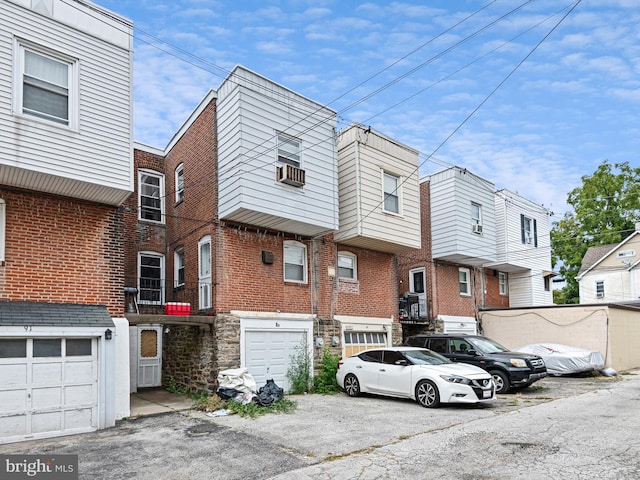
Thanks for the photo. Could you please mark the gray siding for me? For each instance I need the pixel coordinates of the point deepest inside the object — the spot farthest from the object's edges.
(251, 110)
(94, 161)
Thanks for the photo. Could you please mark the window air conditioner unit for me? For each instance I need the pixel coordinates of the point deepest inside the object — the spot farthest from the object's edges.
(477, 228)
(599, 294)
(290, 175)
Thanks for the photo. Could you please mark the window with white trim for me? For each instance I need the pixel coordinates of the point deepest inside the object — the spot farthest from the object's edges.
(204, 272)
(151, 196)
(502, 283)
(151, 278)
(476, 217)
(3, 228)
(600, 289)
(288, 150)
(179, 182)
(295, 262)
(391, 192)
(178, 267)
(347, 266)
(464, 281)
(355, 342)
(46, 84)
(528, 231)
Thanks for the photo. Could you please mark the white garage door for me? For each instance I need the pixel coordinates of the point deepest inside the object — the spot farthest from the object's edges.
(49, 387)
(268, 354)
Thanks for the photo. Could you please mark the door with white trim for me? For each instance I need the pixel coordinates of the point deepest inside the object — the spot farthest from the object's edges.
(149, 356)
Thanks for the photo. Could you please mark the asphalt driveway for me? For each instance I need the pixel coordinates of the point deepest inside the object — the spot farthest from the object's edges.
(191, 445)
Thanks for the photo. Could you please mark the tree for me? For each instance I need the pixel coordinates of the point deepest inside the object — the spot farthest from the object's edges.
(606, 209)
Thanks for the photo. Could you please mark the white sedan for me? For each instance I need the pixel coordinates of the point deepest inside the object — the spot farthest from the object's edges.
(416, 373)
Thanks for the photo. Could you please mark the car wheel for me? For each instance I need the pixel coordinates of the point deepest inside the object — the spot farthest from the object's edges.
(501, 381)
(427, 394)
(352, 385)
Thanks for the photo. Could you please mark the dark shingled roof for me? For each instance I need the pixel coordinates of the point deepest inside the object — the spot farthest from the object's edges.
(53, 314)
(593, 255)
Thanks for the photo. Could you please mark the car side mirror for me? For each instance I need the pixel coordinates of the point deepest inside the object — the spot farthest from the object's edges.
(404, 363)
(473, 353)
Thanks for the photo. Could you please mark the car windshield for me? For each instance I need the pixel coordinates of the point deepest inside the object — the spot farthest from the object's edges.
(486, 345)
(425, 357)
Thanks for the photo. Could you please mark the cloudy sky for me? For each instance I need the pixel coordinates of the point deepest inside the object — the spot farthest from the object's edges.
(531, 95)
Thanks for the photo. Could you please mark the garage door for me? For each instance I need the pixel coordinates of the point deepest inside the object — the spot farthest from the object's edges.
(49, 387)
(268, 354)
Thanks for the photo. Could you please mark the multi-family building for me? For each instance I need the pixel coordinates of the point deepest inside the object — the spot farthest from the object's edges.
(480, 248)
(65, 170)
(260, 233)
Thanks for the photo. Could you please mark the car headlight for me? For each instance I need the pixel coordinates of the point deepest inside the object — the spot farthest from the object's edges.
(518, 362)
(456, 379)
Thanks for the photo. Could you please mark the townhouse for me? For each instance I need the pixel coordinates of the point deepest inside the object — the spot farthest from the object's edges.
(258, 232)
(65, 169)
(481, 247)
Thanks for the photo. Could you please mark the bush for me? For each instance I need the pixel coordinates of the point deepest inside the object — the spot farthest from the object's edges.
(299, 372)
(325, 382)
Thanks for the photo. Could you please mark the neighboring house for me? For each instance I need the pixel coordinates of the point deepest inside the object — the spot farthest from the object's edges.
(611, 273)
(65, 169)
(480, 248)
(236, 222)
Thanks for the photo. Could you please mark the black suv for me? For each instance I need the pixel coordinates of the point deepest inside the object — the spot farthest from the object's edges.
(509, 369)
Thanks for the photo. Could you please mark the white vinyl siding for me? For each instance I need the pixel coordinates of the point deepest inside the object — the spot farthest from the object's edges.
(47, 155)
(452, 192)
(251, 110)
(363, 157)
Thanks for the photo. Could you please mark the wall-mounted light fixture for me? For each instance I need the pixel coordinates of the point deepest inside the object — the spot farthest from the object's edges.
(108, 334)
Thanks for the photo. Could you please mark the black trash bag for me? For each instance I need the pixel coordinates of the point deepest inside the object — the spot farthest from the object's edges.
(228, 393)
(268, 394)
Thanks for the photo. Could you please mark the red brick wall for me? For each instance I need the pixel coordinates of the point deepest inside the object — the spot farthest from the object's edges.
(62, 250)
(493, 298)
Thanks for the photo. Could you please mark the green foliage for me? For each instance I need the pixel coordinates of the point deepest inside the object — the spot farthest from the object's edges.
(184, 391)
(253, 410)
(325, 382)
(606, 208)
(299, 372)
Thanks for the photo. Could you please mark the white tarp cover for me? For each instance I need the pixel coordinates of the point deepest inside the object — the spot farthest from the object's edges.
(238, 378)
(563, 359)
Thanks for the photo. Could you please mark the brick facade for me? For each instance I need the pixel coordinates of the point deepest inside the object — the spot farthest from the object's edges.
(62, 250)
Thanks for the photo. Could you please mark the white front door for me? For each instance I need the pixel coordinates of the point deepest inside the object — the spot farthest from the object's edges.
(49, 387)
(149, 356)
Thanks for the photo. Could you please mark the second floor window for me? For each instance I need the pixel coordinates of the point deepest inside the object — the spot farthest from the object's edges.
(391, 192)
(528, 231)
(179, 183)
(295, 262)
(47, 86)
(289, 150)
(151, 278)
(178, 266)
(502, 283)
(347, 266)
(464, 275)
(151, 196)
(476, 217)
(600, 289)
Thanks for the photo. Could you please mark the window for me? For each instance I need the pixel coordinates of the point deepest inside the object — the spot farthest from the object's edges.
(151, 196)
(78, 347)
(347, 266)
(355, 342)
(3, 226)
(288, 150)
(151, 278)
(476, 217)
(502, 283)
(600, 289)
(47, 347)
(180, 183)
(204, 272)
(416, 280)
(46, 83)
(528, 230)
(391, 186)
(178, 267)
(13, 348)
(463, 280)
(295, 262)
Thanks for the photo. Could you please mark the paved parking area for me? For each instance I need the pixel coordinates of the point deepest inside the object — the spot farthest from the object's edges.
(191, 445)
